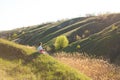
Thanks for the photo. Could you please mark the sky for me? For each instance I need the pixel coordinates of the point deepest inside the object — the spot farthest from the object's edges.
(23, 13)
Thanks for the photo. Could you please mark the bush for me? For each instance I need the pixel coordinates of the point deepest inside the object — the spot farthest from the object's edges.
(48, 48)
(14, 35)
(114, 27)
(78, 37)
(61, 42)
(78, 46)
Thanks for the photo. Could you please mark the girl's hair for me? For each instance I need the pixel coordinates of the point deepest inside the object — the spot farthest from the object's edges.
(40, 43)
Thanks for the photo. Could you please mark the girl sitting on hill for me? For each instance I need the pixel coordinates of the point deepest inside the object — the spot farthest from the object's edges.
(40, 49)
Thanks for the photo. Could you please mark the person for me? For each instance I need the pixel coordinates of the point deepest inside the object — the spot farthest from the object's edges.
(40, 48)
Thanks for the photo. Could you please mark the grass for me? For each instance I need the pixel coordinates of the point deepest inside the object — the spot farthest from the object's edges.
(45, 32)
(15, 71)
(97, 69)
(32, 65)
(25, 49)
(104, 43)
(47, 68)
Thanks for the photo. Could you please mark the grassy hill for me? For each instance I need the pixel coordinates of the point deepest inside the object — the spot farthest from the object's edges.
(18, 62)
(82, 26)
(97, 35)
(105, 43)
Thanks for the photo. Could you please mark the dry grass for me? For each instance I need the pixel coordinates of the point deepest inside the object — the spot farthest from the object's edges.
(4, 75)
(97, 69)
(31, 47)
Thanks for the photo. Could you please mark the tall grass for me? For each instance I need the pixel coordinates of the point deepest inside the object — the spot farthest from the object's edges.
(97, 69)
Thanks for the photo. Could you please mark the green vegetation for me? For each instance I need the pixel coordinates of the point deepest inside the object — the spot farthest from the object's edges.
(96, 35)
(20, 62)
(78, 47)
(15, 70)
(114, 27)
(61, 42)
(104, 43)
(14, 35)
(78, 37)
(46, 67)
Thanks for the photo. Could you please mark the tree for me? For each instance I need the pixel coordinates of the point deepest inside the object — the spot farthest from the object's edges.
(61, 42)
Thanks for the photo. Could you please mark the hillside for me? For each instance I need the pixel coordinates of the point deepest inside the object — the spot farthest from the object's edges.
(82, 26)
(19, 62)
(105, 43)
(95, 34)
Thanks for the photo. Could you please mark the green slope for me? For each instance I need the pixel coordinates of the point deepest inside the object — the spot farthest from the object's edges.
(45, 32)
(104, 43)
(19, 62)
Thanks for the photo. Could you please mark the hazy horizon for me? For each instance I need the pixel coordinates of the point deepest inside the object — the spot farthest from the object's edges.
(22, 13)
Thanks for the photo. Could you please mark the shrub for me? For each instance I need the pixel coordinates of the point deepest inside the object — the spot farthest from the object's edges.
(61, 42)
(23, 33)
(114, 27)
(78, 46)
(83, 36)
(48, 48)
(78, 37)
(14, 35)
(86, 31)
